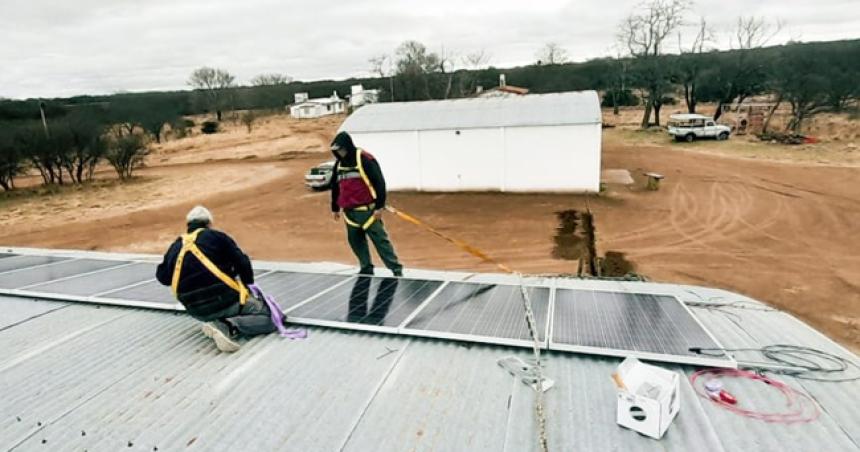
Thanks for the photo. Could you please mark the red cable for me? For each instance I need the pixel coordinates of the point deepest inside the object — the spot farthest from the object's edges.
(800, 407)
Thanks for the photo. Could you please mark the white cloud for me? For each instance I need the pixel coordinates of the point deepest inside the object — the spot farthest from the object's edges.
(92, 46)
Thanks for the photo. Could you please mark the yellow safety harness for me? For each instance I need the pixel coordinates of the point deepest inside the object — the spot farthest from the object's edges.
(188, 245)
(367, 224)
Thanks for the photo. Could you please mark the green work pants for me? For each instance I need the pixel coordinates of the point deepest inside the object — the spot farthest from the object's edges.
(357, 238)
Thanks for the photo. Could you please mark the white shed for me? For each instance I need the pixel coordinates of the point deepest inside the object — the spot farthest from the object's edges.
(533, 143)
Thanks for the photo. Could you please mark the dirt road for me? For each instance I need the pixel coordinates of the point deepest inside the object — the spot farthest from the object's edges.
(782, 233)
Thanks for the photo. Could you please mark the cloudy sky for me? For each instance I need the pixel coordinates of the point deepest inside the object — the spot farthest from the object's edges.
(64, 48)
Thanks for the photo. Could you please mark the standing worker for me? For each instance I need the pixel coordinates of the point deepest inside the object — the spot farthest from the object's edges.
(358, 188)
(210, 276)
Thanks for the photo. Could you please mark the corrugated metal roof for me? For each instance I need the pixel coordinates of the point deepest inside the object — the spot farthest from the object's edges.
(581, 107)
(85, 377)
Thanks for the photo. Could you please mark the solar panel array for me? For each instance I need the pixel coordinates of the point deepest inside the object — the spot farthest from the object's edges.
(648, 326)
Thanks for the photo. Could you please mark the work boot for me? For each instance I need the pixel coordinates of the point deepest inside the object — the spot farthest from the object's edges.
(220, 333)
(366, 271)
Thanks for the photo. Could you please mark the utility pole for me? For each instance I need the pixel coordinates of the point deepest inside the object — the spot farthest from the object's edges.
(44, 121)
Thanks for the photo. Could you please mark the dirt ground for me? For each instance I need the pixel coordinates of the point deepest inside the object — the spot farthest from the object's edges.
(783, 232)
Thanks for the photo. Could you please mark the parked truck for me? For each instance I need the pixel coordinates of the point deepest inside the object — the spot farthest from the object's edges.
(690, 127)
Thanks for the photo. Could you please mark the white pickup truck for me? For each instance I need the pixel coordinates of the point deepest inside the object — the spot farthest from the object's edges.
(689, 127)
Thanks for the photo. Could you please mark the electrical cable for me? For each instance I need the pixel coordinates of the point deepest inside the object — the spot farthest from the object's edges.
(799, 407)
(808, 363)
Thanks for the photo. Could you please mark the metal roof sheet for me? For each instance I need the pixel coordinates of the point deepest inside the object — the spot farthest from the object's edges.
(569, 108)
(76, 376)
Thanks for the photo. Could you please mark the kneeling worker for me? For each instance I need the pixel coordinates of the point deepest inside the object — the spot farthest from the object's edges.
(210, 276)
(358, 188)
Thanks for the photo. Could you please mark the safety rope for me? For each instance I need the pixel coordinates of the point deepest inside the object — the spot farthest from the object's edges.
(527, 305)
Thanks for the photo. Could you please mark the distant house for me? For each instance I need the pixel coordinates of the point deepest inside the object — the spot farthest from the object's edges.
(314, 108)
(360, 96)
(503, 90)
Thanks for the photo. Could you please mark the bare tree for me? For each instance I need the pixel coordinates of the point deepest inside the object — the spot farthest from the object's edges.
(552, 53)
(643, 33)
(271, 79)
(214, 84)
(691, 63)
(383, 66)
(746, 75)
(474, 61)
(447, 67)
(754, 32)
(413, 66)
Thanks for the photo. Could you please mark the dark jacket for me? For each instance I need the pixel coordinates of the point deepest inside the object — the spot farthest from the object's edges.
(370, 165)
(201, 292)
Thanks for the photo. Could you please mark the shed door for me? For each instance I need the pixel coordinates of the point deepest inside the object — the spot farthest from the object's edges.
(469, 159)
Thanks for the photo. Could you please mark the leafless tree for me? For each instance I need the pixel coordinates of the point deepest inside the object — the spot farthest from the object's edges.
(414, 65)
(691, 65)
(644, 32)
(474, 61)
(271, 79)
(747, 72)
(552, 53)
(447, 67)
(383, 66)
(214, 84)
(754, 32)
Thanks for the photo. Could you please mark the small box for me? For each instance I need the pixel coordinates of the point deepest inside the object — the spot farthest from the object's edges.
(648, 397)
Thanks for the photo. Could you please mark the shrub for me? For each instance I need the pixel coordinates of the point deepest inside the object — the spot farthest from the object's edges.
(209, 127)
(126, 153)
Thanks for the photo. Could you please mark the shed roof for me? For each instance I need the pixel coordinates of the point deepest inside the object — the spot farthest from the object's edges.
(569, 108)
(76, 376)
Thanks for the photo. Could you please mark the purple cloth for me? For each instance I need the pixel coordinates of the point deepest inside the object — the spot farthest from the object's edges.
(278, 315)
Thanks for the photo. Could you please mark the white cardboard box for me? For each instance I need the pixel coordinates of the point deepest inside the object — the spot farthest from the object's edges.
(648, 397)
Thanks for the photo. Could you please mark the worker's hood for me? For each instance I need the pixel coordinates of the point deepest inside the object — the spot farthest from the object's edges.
(343, 141)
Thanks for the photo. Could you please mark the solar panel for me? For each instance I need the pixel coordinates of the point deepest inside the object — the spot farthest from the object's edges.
(369, 301)
(654, 327)
(62, 269)
(483, 312)
(151, 291)
(95, 283)
(647, 326)
(19, 262)
(290, 289)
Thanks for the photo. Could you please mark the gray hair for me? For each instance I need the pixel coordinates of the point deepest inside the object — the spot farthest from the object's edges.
(199, 214)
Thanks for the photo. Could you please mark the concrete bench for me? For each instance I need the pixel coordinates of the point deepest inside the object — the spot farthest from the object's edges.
(653, 180)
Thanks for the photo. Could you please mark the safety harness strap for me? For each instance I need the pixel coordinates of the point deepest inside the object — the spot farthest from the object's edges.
(189, 245)
(367, 224)
(363, 174)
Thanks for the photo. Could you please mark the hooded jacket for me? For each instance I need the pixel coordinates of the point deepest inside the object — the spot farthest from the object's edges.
(200, 291)
(352, 192)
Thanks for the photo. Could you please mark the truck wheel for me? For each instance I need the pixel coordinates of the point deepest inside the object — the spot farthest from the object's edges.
(689, 137)
(723, 136)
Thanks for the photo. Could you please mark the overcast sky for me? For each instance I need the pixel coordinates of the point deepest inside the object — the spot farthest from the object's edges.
(64, 48)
